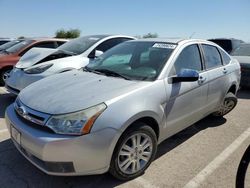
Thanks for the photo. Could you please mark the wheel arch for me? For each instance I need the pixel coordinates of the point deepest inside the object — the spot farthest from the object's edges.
(6, 67)
(148, 118)
(233, 89)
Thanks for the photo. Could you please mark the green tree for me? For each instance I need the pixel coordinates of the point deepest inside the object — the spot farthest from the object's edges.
(71, 33)
(150, 35)
(21, 37)
(138, 36)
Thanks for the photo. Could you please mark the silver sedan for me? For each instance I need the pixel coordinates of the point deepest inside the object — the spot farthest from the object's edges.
(111, 115)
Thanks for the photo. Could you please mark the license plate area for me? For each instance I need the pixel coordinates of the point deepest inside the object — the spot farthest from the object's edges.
(15, 135)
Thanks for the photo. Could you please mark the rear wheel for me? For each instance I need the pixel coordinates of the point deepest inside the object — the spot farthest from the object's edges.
(4, 75)
(228, 105)
(134, 152)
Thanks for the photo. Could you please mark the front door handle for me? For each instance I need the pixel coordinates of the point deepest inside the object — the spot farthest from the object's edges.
(201, 80)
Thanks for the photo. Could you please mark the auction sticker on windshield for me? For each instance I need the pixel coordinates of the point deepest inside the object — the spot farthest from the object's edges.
(164, 45)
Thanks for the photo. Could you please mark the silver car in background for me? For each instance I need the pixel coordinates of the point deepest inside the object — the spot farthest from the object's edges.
(242, 54)
(39, 63)
(111, 115)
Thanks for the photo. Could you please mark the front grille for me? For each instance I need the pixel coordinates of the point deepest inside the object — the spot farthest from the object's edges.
(31, 117)
(34, 125)
(36, 117)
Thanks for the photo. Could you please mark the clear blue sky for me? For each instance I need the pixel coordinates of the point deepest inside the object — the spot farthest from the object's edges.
(168, 18)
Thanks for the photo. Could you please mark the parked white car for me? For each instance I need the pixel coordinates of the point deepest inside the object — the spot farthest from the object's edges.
(39, 63)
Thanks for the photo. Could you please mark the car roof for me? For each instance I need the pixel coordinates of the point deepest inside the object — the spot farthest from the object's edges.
(45, 39)
(244, 44)
(168, 40)
(5, 39)
(108, 36)
(173, 40)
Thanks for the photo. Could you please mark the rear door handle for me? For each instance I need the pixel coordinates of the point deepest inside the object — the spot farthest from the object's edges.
(224, 70)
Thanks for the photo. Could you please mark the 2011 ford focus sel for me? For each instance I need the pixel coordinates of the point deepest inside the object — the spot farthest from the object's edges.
(111, 115)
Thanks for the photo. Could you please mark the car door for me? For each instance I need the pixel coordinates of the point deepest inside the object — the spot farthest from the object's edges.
(217, 76)
(186, 100)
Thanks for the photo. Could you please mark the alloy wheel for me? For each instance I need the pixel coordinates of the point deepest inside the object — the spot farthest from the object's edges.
(6, 75)
(226, 107)
(135, 153)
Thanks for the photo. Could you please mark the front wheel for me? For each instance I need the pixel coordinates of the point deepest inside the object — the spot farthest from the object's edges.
(228, 105)
(134, 152)
(4, 74)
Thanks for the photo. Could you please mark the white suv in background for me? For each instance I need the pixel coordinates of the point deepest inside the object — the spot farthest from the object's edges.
(39, 63)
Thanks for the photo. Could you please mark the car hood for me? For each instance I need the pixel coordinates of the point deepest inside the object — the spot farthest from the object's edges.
(73, 91)
(39, 55)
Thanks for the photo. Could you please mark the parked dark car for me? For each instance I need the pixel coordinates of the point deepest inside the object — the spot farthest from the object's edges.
(8, 45)
(228, 45)
(242, 54)
(4, 40)
(11, 56)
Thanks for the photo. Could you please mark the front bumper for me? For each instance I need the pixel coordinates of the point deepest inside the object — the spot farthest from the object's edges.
(63, 155)
(18, 80)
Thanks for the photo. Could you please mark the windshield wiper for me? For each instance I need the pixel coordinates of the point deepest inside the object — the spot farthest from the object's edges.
(87, 69)
(111, 73)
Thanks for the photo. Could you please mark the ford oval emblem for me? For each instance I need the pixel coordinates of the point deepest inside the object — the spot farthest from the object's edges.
(21, 110)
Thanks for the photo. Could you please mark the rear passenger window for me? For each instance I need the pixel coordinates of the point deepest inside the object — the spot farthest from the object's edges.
(212, 56)
(189, 58)
(225, 57)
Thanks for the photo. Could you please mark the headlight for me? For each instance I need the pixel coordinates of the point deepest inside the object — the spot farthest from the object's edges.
(77, 123)
(38, 69)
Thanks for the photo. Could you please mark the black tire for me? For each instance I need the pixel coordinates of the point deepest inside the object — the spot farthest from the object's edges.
(2, 75)
(136, 128)
(229, 98)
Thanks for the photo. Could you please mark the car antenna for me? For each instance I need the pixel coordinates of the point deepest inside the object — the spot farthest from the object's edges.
(191, 36)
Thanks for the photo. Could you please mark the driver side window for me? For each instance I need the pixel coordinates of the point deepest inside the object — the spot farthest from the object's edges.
(189, 58)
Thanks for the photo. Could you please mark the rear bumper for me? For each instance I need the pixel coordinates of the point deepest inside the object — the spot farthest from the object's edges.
(63, 155)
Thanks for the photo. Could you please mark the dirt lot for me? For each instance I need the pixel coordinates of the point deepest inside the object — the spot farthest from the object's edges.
(206, 154)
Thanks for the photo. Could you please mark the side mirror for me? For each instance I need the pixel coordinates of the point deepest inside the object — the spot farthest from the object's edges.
(186, 75)
(98, 53)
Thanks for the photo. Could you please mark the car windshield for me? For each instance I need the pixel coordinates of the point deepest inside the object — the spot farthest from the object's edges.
(80, 45)
(243, 50)
(135, 60)
(17, 47)
(9, 44)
